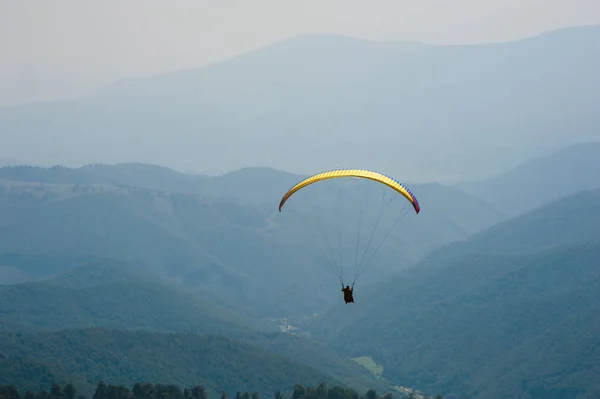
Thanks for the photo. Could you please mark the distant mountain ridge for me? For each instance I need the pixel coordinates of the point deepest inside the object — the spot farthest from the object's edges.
(427, 113)
(542, 180)
(221, 235)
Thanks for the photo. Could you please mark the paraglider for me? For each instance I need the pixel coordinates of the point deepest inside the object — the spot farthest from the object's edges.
(361, 174)
(348, 297)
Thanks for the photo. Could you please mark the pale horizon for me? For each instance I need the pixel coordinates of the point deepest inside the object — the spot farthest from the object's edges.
(64, 49)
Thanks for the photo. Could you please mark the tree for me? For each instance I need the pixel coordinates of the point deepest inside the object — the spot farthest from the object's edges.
(56, 392)
(173, 392)
(117, 392)
(299, 391)
(336, 393)
(138, 390)
(70, 392)
(198, 392)
(100, 391)
(9, 392)
(321, 391)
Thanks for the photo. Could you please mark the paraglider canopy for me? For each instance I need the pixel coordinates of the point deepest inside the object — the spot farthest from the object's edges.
(336, 260)
(360, 173)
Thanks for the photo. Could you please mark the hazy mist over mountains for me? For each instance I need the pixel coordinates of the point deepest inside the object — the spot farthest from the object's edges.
(141, 241)
(423, 112)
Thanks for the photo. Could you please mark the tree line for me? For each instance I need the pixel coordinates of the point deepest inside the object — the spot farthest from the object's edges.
(160, 391)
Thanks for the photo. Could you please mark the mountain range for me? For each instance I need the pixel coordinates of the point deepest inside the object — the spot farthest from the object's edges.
(130, 271)
(510, 311)
(422, 112)
(221, 235)
(541, 180)
(485, 303)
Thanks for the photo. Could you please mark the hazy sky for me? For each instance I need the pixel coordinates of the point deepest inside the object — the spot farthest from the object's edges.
(53, 48)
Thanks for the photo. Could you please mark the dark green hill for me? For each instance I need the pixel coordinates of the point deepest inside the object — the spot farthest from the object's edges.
(119, 304)
(32, 374)
(496, 316)
(116, 295)
(472, 327)
(101, 271)
(125, 357)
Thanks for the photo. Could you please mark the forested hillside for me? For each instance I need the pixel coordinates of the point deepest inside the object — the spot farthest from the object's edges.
(506, 312)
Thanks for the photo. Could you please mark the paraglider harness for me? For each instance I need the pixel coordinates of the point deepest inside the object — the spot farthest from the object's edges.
(348, 293)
